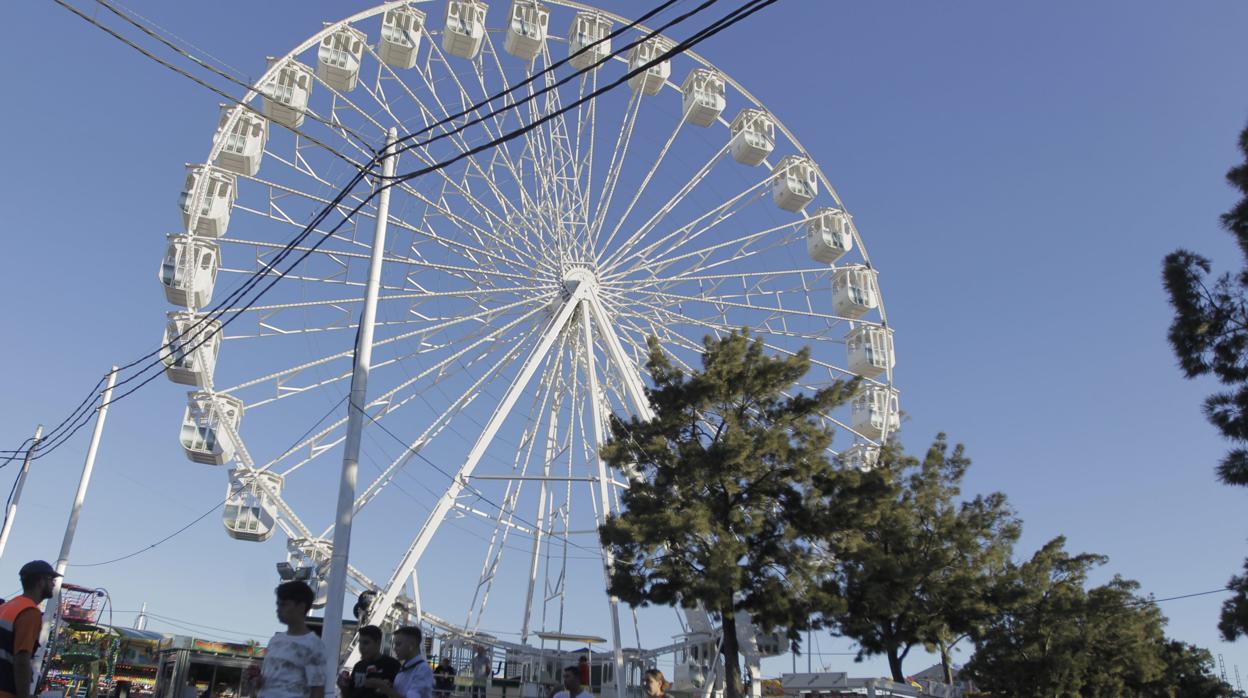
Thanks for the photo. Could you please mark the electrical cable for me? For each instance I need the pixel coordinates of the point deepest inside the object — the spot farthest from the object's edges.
(56, 439)
(216, 506)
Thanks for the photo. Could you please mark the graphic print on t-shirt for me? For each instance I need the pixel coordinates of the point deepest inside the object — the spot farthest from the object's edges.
(293, 665)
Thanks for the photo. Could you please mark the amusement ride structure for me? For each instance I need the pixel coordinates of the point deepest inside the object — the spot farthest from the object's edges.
(502, 303)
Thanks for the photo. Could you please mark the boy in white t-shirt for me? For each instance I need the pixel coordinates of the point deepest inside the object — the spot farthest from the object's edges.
(294, 661)
(572, 684)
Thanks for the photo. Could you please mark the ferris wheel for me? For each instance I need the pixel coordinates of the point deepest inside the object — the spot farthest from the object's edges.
(518, 289)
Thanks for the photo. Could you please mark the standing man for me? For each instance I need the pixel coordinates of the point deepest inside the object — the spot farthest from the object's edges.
(20, 623)
(294, 661)
(481, 673)
(572, 687)
(415, 679)
(373, 664)
(444, 678)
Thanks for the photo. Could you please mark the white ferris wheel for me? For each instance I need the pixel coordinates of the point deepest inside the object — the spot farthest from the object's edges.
(518, 288)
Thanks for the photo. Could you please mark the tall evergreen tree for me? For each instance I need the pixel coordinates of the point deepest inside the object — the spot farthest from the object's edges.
(1189, 673)
(732, 477)
(1210, 337)
(925, 572)
(1057, 638)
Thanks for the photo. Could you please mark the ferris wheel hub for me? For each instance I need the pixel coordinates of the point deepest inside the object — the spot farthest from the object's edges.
(576, 276)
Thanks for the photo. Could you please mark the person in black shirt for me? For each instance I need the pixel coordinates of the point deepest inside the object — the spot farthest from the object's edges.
(372, 665)
(444, 678)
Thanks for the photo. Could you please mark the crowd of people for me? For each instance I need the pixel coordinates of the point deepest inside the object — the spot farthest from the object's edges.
(294, 660)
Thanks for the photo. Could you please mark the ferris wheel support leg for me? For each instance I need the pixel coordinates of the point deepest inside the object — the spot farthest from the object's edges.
(417, 614)
(604, 509)
(635, 389)
(50, 611)
(552, 446)
(407, 566)
(332, 629)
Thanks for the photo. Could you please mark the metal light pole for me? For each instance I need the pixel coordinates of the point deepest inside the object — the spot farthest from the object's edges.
(11, 513)
(331, 632)
(50, 611)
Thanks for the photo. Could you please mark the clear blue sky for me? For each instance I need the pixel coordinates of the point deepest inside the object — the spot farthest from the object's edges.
(1019, 171)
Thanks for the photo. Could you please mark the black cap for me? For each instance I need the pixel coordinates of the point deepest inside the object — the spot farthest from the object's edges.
(37, 568)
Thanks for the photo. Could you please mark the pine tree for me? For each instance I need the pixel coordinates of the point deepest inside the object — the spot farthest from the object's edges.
(731, 477)
(925, 572)
(1209, 335)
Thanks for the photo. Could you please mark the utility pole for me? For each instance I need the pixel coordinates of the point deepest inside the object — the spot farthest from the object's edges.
(331, 631)
(62, 562)
(10, 514)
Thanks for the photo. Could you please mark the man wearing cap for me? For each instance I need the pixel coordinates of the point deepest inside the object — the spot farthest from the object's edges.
(20, 623)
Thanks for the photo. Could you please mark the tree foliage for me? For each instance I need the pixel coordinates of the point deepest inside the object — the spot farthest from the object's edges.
(925, 572)
(1189, 673)
(1058, 638)
(731, 478)
(1209, 335)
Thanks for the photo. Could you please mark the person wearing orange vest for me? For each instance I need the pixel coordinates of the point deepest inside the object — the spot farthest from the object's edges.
(20, 623)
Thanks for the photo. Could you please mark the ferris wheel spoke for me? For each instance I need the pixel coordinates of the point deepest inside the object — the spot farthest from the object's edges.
(391, 401)
(721, 302)
(462, 248)
(466, 273)
(458, 139)
(586, 122)
(658, 216)
(482, 318)
(565, 181)
(736, 249)
(672, 319)
(439, 423)
(689, 231)
(445, 211)
(338, 123)
(645, 182)
(269, 315)
(615, 168)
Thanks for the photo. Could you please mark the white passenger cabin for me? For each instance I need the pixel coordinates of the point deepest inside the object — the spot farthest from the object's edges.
(829, 235)
(190, 348)
(208, 425)
(338, 58)
(697, 659)
(861, 456)
(650, 80)
(588, 27)
(526, 32)
(795, 182)
(853, 291)
(704, 97)
(189, 270)
(870, 350)
(874, 412)
(286, 94)
(243, 140)
(753, 136)
(250, 512)
(209, 193)
(401, 28)
(465, 28)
